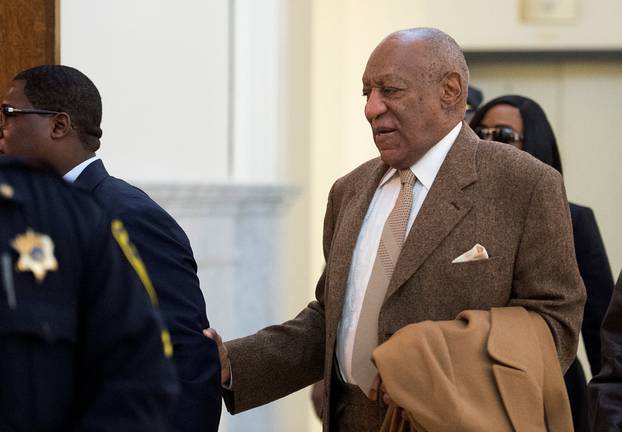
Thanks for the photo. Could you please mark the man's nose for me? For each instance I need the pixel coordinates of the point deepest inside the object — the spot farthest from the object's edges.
(375, 105)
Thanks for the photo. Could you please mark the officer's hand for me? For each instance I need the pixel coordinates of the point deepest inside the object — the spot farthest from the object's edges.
(225, 364)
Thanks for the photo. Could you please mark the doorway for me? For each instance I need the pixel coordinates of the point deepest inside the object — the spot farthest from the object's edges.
(29, 36)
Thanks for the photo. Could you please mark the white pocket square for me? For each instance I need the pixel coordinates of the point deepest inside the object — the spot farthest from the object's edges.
(476, 254)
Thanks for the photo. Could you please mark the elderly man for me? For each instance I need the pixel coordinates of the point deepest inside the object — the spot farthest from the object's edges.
(52, 115)
(440, 223)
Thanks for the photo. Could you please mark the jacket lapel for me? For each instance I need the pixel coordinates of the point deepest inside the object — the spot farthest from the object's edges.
(347, 234)
(92, 176)
(445, 205)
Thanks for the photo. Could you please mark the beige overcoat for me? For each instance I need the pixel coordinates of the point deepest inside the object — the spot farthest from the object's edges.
(484, 371)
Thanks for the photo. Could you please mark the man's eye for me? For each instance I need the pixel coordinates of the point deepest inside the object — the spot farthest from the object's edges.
(366, 93)
(388, 91)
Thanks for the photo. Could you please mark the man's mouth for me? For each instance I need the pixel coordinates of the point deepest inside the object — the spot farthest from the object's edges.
(384, 137)
(381, 131)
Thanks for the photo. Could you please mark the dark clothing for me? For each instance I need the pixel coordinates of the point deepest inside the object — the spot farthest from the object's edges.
(605, 389)
(539, 141)
(596, 273)
(166, 251)
(81, 348)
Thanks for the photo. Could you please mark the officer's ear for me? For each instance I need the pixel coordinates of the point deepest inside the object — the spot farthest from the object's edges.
(61, 125)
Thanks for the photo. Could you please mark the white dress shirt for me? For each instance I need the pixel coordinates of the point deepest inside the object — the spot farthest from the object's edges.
(75, 172)
(425, 169)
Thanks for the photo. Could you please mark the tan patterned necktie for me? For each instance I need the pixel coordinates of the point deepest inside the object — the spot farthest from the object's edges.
(391, 242)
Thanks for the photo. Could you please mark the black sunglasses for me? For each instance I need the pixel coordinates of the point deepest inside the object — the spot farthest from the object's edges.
(8, 111)
(502, 134)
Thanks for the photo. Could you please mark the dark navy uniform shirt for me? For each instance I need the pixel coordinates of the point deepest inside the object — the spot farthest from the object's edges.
(82, 345)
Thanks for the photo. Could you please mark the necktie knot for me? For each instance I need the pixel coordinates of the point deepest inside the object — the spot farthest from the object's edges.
(407, 177)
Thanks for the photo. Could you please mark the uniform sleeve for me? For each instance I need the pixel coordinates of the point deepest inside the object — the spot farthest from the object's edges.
(546, 277)
(167, 254)
(130, 383)
(605, 389)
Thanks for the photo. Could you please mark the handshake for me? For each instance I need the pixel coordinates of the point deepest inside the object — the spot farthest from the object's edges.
(225, 364)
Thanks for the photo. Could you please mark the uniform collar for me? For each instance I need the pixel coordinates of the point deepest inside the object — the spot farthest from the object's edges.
(9, 192)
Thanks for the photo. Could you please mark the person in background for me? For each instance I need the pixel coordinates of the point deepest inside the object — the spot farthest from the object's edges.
(605, 389)
(82, 348)
(474, 100)
(52, 114)
(521, 122)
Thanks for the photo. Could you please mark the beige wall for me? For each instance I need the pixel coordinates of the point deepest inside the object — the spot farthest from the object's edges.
(296, 169)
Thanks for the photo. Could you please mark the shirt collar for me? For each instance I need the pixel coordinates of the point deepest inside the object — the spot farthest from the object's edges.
(426, 168)
(75, 172)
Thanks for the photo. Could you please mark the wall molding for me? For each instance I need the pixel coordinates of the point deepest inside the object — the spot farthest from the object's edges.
(193, 199)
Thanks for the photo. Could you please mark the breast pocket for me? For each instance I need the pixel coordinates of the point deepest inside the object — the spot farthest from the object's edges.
(481, 284)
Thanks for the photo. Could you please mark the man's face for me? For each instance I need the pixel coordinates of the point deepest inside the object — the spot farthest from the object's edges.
(23, 134)
(403, 106)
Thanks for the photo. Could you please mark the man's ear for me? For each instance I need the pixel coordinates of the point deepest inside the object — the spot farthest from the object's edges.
(452, 90)
(61, 125)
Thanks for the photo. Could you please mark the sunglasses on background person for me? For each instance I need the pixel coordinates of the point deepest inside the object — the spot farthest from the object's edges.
(502, 134)
(7, 111)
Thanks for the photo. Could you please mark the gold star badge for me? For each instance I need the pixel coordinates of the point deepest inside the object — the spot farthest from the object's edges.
(36, 254)
(6, 191)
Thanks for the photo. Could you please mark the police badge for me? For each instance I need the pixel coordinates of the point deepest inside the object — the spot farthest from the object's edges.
(6, 191)
(36, 254)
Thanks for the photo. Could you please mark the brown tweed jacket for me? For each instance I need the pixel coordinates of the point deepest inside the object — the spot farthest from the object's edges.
(485, 193)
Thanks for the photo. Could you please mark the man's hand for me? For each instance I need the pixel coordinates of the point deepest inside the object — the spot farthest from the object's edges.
(317, 397)
(225, 364)
(378, 385)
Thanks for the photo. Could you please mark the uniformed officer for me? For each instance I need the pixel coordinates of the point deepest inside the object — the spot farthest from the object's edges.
(52, 114)
(81, 343)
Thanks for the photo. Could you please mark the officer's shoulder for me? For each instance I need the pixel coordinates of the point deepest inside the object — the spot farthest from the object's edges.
(123, 199)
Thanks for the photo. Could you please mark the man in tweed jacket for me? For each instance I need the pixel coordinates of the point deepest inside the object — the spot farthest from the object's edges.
(468, 192)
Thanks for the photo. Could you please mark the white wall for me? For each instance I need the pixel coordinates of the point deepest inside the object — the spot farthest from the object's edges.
(162, 70)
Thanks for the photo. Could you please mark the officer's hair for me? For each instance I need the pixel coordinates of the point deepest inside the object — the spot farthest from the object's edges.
(65, 89)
